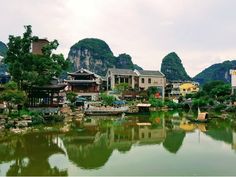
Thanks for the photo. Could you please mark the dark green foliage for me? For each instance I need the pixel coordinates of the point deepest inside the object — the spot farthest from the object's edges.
(3, 49)
(219, 71)
(120, 88)
(173, 68)
(218, 90)
(155, 102)
(124, 61)
(56, 118)
(198, 103)
(29, 69)
(98, 48)
(152, 91)
(12, 96)
(171, 104)
(220, 107)
(71, 96)
(107, 99)
(37, 118)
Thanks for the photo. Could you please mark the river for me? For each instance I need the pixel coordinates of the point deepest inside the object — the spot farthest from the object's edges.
(162, 143)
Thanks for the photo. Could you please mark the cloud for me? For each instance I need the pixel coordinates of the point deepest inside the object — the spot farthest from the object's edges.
(201, 33)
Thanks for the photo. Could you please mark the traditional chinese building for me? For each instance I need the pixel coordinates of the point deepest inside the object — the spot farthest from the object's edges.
(85, 83)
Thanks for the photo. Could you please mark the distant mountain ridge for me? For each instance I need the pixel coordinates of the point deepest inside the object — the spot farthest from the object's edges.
(173, 68)
(95, 55)
(219, 71)
(3, 49)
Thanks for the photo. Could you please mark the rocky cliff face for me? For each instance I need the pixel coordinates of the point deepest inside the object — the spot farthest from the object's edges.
(219, 71)
(95, 55)
(173, 68)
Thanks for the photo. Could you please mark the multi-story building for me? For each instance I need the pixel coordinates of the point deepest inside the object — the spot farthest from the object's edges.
(148, 78)
(117, 76)
(85, 83)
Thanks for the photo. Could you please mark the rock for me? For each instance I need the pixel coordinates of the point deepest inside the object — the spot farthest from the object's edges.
(2, 121)
(22, 124)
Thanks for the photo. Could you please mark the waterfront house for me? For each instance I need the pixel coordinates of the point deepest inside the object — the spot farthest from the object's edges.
(149, 78)
(188, 88)
(117, 76)
(85, 83)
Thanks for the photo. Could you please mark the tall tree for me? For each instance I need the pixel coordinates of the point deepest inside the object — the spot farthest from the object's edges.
(28, 69)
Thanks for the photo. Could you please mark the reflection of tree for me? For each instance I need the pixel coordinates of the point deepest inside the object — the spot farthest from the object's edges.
(220, 130)
(173, 141)
(89, 155)
(36, 148)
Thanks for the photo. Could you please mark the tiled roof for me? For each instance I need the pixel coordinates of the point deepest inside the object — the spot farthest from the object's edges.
(122, 71)
(150, 73)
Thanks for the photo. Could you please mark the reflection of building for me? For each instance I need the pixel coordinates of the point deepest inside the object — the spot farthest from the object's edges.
(85, 83)
(149, 135)
(234, 140)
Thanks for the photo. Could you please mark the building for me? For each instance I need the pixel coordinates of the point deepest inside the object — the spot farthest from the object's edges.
(85, 83)
(117, 76)
(50, 95)
(233, 80)
(181, 88)
(38, 45)
(149, 78)
(188, 88)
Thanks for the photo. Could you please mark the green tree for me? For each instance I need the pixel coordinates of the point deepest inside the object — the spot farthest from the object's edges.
(71, 96)
(107, 99)
(122, 87)
(155, 102)
(28, 69)
(12, 96)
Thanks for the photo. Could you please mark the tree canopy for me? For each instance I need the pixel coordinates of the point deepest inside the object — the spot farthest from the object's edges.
(29, 69)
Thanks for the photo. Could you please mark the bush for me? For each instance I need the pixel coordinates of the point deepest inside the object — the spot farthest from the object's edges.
(107, 99)
(171, 104)
(155, 102)
(219, 107)
(56, 118)
(199, 103)
(37, 118)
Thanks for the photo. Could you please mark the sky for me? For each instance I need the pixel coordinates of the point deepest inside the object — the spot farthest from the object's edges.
(201, 32)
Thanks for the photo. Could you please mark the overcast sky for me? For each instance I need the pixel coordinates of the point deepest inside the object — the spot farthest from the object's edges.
(201, 32)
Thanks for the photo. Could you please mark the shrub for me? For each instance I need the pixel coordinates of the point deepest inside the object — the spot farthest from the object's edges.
(107, 99)
(220, 107)
(171, 104)
(155, 102)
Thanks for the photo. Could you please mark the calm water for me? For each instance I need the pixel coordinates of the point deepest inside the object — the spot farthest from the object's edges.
(158, 144)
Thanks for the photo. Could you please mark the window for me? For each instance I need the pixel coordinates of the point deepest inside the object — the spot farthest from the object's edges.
(149, 80)
(116, 80)
(142, 80)
(149, 135)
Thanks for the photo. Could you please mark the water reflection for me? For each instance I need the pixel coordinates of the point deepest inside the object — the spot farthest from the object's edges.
(29, 155)
(92, 141)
